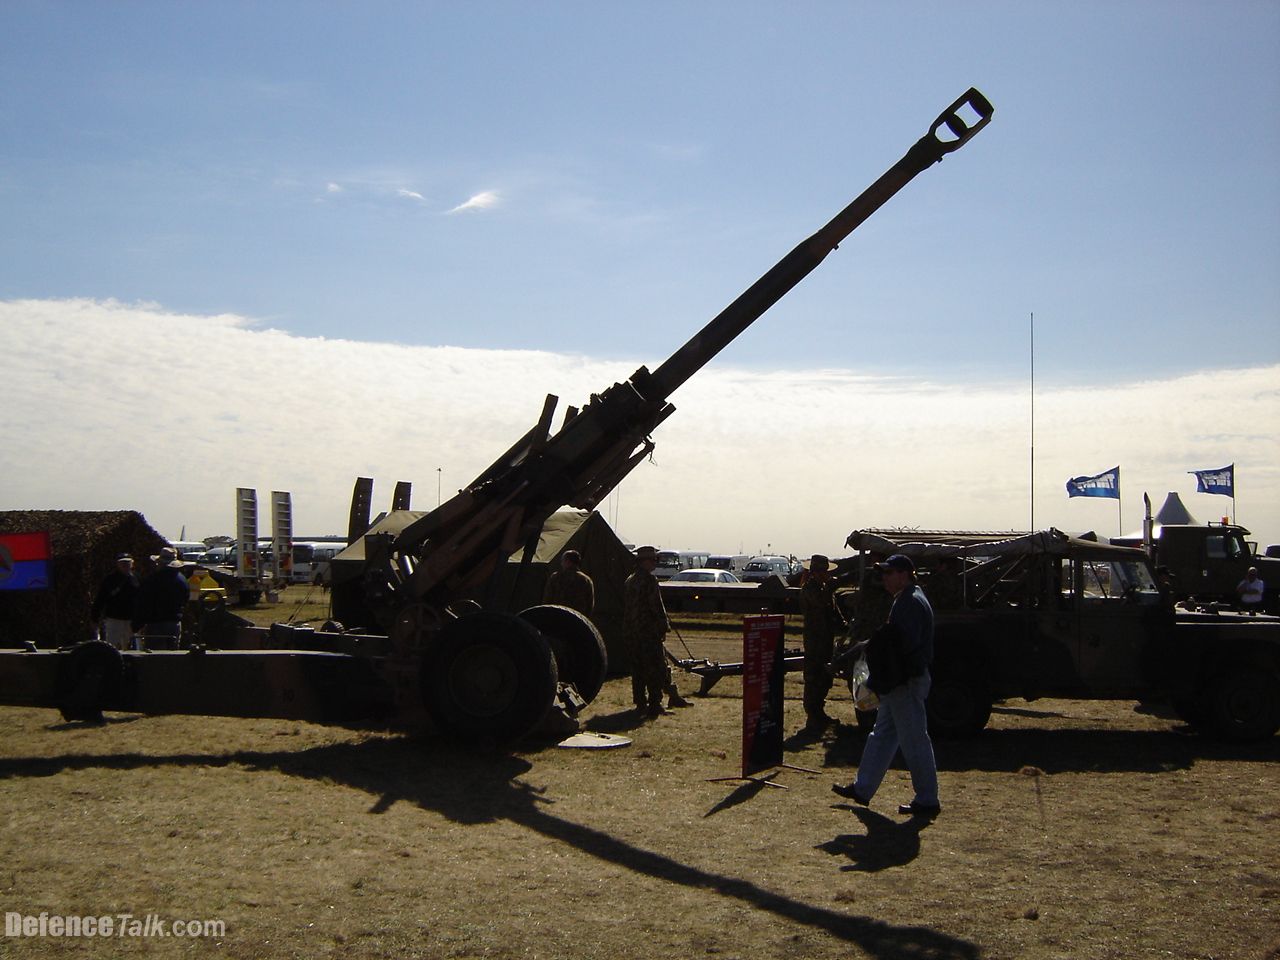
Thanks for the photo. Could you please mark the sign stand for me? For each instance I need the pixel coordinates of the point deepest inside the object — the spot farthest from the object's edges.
(763, 672)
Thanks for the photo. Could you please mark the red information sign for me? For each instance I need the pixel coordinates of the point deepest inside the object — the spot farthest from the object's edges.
(763, 671)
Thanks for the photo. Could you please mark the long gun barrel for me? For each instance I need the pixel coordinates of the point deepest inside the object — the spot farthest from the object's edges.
(797, 264)
(452, 552)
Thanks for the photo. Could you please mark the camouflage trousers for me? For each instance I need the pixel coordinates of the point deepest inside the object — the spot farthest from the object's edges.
(650, 672)
(818, 651)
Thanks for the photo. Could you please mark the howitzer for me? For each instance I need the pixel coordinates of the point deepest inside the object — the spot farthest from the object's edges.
(445, 643)
(453, 550)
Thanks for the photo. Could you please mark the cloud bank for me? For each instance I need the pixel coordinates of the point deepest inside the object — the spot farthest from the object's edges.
(116, 406)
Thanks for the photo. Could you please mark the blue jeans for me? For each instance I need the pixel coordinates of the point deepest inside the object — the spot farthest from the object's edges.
(901, 723)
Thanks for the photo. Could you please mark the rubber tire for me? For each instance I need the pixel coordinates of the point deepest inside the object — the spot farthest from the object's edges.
(89, 679)
(488, 676)
(1244, 705)
(578, 647)
(958, 706)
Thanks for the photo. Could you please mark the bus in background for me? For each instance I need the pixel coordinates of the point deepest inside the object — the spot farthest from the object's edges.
(735, 563)
(671, 562)
(311, 559)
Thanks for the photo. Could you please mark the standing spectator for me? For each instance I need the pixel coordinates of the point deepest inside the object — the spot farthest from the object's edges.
(570, 587)
(644, 627)
(1251, 591)
(114, 605)
(899, 656)
(821, 620)
(161, 599)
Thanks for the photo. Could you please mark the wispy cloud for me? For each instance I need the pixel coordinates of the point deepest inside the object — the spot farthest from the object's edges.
(410, 194)
(484, 200)
(117, 417)
(332, 187)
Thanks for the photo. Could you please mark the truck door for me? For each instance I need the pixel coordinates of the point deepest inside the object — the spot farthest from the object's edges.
(1118, 622)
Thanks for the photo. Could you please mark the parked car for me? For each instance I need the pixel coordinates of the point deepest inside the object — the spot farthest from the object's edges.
(704, 575)
(759, 569)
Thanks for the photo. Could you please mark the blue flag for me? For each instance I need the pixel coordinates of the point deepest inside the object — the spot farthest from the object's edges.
(1222, 480)
(1103, 485)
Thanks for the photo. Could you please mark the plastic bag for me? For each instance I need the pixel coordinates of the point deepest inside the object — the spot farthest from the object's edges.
(864, 698)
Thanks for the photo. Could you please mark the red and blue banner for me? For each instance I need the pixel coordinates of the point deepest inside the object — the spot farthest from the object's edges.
(763, 671)
(25, 561)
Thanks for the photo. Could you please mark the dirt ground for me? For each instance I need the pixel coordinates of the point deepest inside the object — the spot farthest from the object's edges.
(1070, 830)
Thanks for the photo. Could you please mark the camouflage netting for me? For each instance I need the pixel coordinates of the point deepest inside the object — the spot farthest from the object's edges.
(84, 546)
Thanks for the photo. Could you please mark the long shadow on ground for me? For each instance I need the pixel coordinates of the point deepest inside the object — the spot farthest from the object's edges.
(470, 788)
(1063, 751)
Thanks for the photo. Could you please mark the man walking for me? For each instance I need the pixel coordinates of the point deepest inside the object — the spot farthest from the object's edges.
(899, 656)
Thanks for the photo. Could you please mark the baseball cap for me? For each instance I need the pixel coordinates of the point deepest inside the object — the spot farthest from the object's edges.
(898, 562)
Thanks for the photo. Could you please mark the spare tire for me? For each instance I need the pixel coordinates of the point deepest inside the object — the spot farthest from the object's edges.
(578, 647)
(89, 679)
(488, 676)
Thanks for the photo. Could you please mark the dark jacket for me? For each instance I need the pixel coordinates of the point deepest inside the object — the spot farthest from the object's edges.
(116, 597)
(161, 598)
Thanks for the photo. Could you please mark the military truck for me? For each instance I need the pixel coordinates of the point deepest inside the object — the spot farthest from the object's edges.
(1049, 615)
(1207, 561)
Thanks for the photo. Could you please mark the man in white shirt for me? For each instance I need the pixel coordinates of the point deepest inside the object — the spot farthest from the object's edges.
(1250, 590)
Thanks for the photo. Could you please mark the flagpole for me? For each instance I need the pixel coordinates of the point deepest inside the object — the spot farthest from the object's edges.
(1033, 423)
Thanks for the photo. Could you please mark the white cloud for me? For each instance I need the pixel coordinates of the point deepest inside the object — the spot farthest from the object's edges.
(481, 201)
(332, 188)
(410, 195)
(118, 406)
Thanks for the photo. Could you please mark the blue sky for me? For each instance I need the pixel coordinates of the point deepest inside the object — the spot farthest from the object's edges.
(296, 162)
(599, 179)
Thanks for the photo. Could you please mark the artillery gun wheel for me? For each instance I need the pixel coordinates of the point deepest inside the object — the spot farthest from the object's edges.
(1244, 705)
(89, 679)
(958, 705)
(488, 675)
(578, 647)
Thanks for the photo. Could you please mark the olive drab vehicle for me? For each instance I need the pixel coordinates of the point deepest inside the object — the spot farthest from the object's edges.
(1049, 615)
(441, 641)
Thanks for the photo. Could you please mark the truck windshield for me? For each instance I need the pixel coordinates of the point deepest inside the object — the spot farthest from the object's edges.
(1119, 578)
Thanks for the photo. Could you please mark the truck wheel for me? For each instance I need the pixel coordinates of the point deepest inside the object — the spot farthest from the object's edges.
(959, 706)
(1244, 705)
(577, 645)
(488, 676)
(89, 679)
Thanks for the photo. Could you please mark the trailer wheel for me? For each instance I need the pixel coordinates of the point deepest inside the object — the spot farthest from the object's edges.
(1244, 705)
(488, 676)
(89, 679)
(578, 647)
(959, 706)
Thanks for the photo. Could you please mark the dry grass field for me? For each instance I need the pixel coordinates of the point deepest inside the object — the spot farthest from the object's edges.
(1070, 830)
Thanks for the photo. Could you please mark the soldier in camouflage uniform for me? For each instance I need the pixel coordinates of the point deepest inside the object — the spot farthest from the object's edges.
(871, 607)
(570, 587)
(821, 621)
(644, 626)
